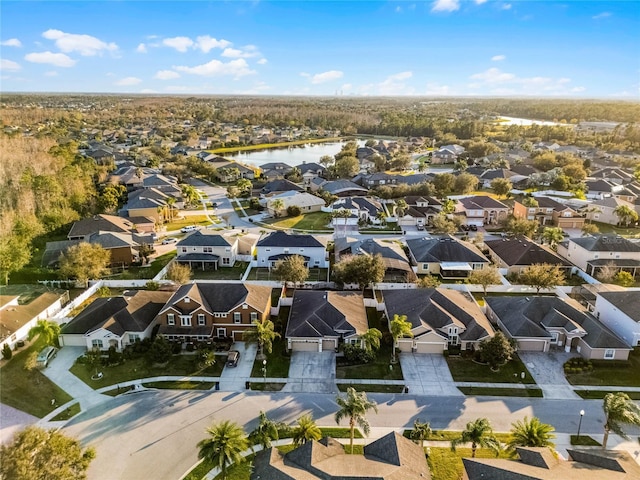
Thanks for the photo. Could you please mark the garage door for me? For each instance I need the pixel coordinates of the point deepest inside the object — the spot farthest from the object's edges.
(531, 346)
(405, 346)
(302, 346)
(328, 345)
(237, 336)
(429, 348)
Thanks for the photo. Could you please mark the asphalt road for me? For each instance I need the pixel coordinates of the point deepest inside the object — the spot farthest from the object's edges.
(154, 433)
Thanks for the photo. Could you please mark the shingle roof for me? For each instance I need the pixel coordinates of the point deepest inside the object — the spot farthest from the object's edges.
(444, 249)
(284, 239)
(204, 238)
(216, 297)
(392, 254)
(281, 185)
(627, 302)
(340, 186)
(521, 250)
(606, 243)
(481, 202)
(104, 223)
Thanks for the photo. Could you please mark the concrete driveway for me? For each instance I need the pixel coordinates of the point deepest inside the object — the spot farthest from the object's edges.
(427, 374)
(312, 372)
(233, 379)
(546, 369)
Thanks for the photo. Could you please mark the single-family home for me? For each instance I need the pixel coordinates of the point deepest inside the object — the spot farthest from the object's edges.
(446, 154)
(612, 174)
(364, 209)
(202, 311)
(397, 265)
(420, 211)
(439, 318)
(321, 320)
(306, 202)
(481, 210)
(602, 188)
(208, 249)
(83, 229)
(274, 170)
(279, 186)
(280, 245)
(339, 188)
(620, 311)
(519, 252)
(446, 256)
(549, 212)
(115, 321)
(310, 171)
(489, 175)
(538, 322)
(594, 252)
(603, 210)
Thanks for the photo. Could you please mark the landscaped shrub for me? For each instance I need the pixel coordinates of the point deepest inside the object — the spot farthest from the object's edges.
(153, 286)
(355, 354)
(294, 211)
(160, 351)
(6, 352)
(578, 365)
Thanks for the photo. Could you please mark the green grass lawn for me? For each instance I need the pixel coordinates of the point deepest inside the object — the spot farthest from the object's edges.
(68, 413)
(611, 372)
(180, 385)
(447, 465)
(466, 370)
(623, 231)
(29, 391)
(448, 435)
(264, 274)
(178, 223)
(223, 273)
(373, 388)
(599, 394)
(277, 361)
(502, 392)
(184, 365)
(584, 441)
(146, 272)
(310, 221)
(267, 387)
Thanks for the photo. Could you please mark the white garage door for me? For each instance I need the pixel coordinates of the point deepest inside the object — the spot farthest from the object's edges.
(328, 345)
(429, 348)
(531, 346)
(405, 346)
(302, 346)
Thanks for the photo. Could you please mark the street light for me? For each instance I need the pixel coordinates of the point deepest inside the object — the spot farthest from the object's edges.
(580, 422)
(264, 371)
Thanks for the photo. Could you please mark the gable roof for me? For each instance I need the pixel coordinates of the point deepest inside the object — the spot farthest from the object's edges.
(100, 223)
(444, 248)
(392, 254)
(341, 186)
(284, 239)
(521, 250)
(217, 297)
(606, 243)
(204, 238)
(280, 185)
(481, 202)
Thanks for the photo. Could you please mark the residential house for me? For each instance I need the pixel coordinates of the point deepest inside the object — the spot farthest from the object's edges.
(115, 321)
(481, 210)
(446, 256)
(397, 265)
(206, 249)
(517, 253)
(391, 457)
(446, 154)
(602, 188)
(202, 311)
(279, 186)
(123, 247)
(613, 174)
(274, 170)
(592, 253)
(549, 212)
(320, 320)
(489, 175)
(536, 323)
(541, 463)
(310, 171)
(279, 245)
(420, 212)
(83, 229)
(339, 188)
(373, 180)
(439, 318)
(603, 210)
(364, 209)
(307, 203)
(148, 202)
(233, 171)
(19, 314)
(620, 311)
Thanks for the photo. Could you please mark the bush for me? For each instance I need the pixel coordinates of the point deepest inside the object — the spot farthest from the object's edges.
(104, 292)
(6, 352)
(160, 350)
(153, 286)
(355, 354)
(294, 211)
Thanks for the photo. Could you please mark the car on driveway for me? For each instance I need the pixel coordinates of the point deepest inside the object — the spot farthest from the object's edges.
(45, 356)
(232, 358)
(189, 228)
(169, 240)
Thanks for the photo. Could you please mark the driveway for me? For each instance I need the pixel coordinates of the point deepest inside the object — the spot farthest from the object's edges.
(312, 372)
(546, 369)
(233, 379)
(427, 374)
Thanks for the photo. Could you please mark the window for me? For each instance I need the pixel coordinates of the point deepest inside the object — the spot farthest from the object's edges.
(245, 306)
(226, 261)
(134, 337)
(254, 316)
(286, 250)
(185, 320)
(425, 266)
(221, 332)
(609, 354)
(267, 249)
(96, 343)
(187, 299)
(237, 317)
(201, 319)
(228, 249)
(184, 249)
(171, 319)
(207, 249)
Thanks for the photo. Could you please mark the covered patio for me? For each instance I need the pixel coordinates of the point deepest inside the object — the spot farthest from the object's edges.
(203, 260)
(455, 269)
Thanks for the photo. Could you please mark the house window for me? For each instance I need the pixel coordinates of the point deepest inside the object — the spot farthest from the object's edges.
(96, 343)
(245, 306)
(226, 261)
(228, 249)
(221, 332)
(184, 249)
(267, 249)
(187, 299)
(185, 320)
(609, 354)
(425, 266)
(237, 317)
(171, 319)
(134, 337)
(207, 249)
(254, 316)
(286, 250)
(201, 319)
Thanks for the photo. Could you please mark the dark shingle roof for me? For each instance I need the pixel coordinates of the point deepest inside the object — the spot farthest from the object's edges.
(204, 239)
(606, 243)
(217, 297)
(521, 250)
(443, 249)
(100, 223)
(481, 202)
(284, 239)
(627, 302)
(281, 185)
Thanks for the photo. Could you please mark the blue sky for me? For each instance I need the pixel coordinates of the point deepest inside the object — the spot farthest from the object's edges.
(440, 47)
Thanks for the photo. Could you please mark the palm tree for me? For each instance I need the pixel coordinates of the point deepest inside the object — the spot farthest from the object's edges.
(626, 214)
(354, 407)
(371, 339)
(399, 327)
(276, 205)
(421, 431)
(531, 433)
(401, 207)
(306, 430)
(224, 446)
(49, 331)
(171, 201)
(264, 334)
(552, 236)
(266, 431)
(618, 409)
(480, 434)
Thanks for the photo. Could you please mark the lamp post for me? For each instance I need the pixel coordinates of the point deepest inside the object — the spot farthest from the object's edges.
(580, 422)
(264, 371)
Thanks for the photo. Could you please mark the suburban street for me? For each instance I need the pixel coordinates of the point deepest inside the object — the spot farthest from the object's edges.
(157, 431)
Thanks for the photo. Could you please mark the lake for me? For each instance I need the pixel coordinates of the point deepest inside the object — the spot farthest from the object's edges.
(527, 122)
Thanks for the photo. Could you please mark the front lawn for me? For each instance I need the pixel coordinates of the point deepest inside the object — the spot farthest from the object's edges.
(223, 273)
(29, 391)
(464, 369)
(584, 441)
(279, 359)
(448, 435)
(67, 413)
(179, 365)
(610, 372)
(447, 465)
(372, 388)
(599, 394)
(187, 220)
(147, 271)
(310, 221)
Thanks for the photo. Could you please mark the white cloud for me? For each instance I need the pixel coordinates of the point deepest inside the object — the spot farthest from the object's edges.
(57, 59)
(262, 61)
(498, 58)
(493, 75)
(181, 44)
(142, 48)
(9, 66)
(166, 75)
(506, 6)
(445, 6)
(214, 68)
(51, 73)
(578, 89)
(497, 82)
(323, 77)
(85, 45)
(480, 2)
(249, 51)
(602, 15)
(437, 89)
(12, 42)
(128, 81)
(394, 85)
(207, 43)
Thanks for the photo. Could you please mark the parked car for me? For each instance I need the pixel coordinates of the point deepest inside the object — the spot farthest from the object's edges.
(420, 228)
(473, 228)
(45, 356)
(232, 358)
(169, 240)
(189, 228)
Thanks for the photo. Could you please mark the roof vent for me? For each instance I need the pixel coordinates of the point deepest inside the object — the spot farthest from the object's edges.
(527, 299)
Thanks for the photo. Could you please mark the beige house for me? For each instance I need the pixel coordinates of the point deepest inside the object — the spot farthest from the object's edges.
(592, 253)
(305, 201)
(207, 249)
(549, 212)
(445, 256)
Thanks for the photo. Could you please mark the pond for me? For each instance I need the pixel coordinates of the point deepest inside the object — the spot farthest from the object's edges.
(527, 122)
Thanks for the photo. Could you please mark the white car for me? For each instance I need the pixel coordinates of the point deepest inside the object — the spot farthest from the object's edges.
(189, 228)
(169, 240)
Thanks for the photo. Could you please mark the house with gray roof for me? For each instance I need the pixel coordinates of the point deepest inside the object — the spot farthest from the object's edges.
(446, 256)
(279, 245)
(519, 252)
(279, 186)
(620, 311)
(339, 188)
(321, 320)
(364, 209)
(538, 322)
(439, 318)
(208, 249)
(481, 210)
(595, 252)
(397, 265)
(391, 457)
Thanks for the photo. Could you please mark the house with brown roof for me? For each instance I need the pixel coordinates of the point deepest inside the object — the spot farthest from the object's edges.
(202, 311)
(540, 463)
(517, 253)
(481, 210)
(549, 212)
(320, 321)
(83, 229)
(391, 457)
(396, 264)
(439, 318)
